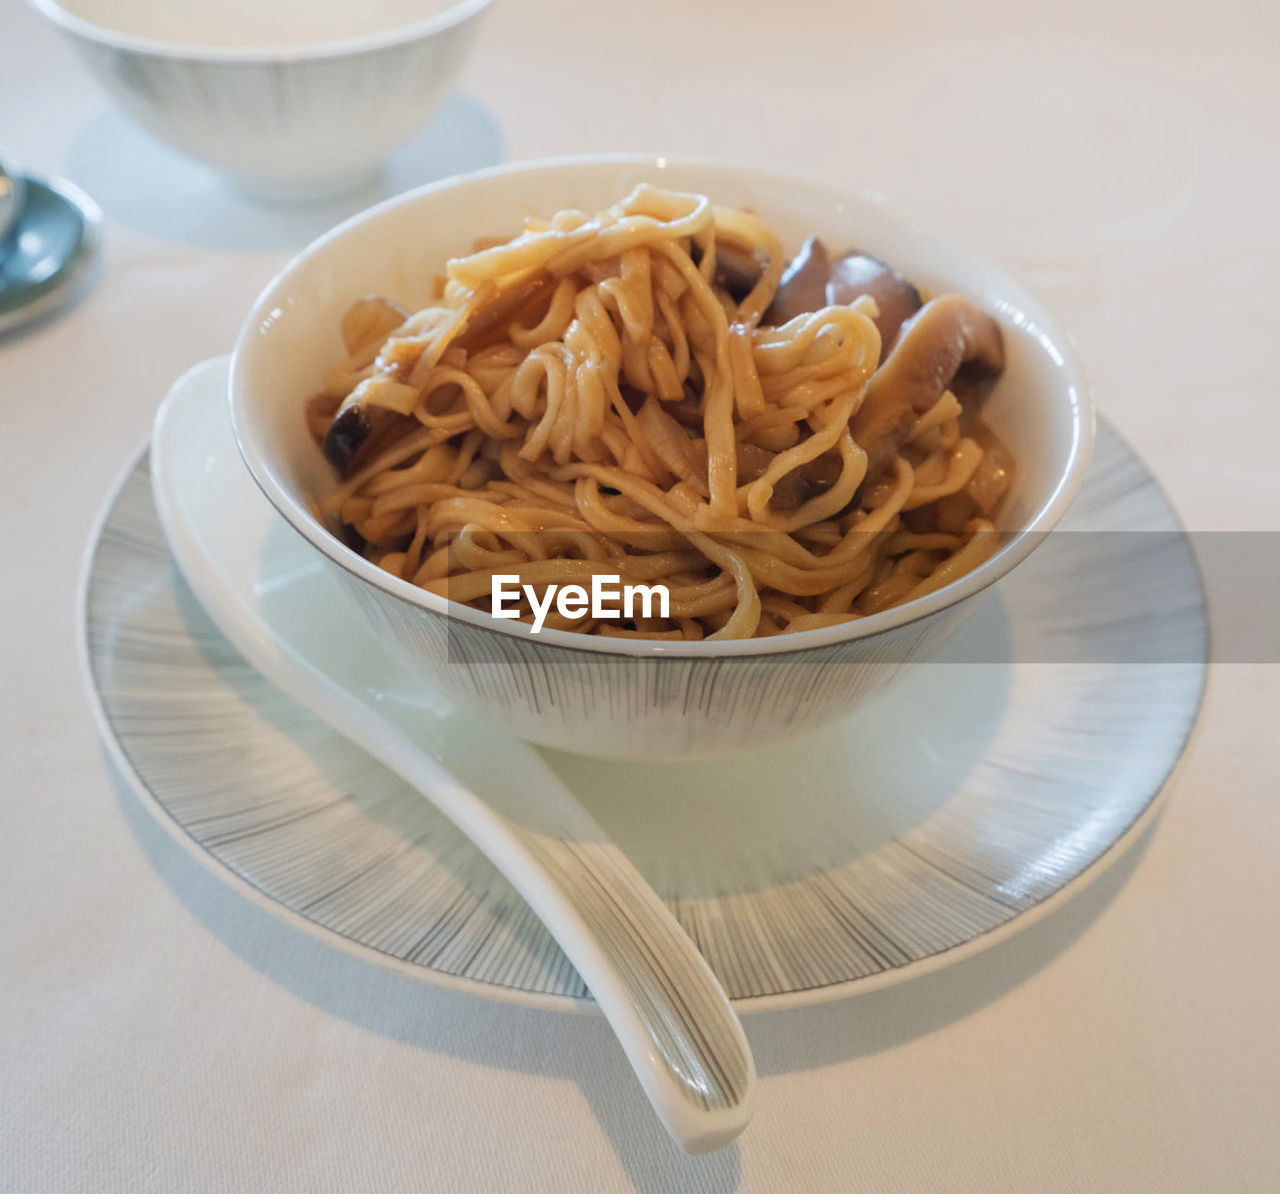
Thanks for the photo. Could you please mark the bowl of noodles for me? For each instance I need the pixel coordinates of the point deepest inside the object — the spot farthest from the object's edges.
(649, 459)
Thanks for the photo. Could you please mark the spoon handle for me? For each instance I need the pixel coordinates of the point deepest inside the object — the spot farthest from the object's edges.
(658, 993)
(656, 990)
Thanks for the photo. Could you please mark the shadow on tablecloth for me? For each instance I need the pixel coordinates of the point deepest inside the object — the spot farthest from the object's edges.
(141, 182)
(502, 1036)
(580, 1047)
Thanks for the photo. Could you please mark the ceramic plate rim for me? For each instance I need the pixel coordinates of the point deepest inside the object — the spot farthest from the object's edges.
(567, 1003)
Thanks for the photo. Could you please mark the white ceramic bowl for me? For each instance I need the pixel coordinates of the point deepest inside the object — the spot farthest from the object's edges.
(626, 697)
(291, 100)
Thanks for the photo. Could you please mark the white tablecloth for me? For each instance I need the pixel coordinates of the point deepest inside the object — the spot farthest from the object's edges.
(159, 1033)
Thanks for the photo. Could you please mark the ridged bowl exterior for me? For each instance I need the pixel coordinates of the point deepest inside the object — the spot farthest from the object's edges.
(645, 707)
(286, 128)
(630, 698)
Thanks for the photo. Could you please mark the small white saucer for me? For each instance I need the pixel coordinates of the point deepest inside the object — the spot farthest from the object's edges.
(964, 804)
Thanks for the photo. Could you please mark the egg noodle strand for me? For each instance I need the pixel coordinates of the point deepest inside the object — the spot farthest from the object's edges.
(585, 399)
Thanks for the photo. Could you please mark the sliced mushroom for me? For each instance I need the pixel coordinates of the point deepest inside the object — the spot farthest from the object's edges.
(803, 287)
(752, 462)
(813, 280)
(373, 415)
(494, 315)
(687, 411)
(856, 274)
(360, 432)
(798, 486)
(947, 334)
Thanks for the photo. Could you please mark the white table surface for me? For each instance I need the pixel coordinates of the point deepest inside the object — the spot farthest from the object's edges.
(158, 1033)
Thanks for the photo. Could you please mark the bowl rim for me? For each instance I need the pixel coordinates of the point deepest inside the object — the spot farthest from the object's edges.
(269, 52)
(1026, 313)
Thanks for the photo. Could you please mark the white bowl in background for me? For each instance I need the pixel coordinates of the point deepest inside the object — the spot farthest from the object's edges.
(631, 697)
(290, 100)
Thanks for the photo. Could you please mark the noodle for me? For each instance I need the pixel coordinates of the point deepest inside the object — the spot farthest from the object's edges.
(591, 398)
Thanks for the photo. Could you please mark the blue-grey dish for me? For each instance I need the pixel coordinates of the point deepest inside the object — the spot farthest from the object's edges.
(46, 251)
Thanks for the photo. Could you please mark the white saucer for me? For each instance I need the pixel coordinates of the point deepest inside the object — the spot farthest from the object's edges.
(963, 805)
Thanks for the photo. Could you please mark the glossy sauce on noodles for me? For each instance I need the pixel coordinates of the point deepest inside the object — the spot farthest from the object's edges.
(652, 392)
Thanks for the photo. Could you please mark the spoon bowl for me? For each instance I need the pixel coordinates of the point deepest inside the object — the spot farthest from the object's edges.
(50, 242)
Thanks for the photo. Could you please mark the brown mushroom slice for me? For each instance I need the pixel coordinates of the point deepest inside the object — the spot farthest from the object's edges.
(687, 412)
(372, 416)
(752, 460)
(798, 486)
(952, 513)
(803, 287)
(360, 432)
(807, 482)
(814, 280)
(375, 413)
(488, 319)
(687, 459)
(856, 274)
(947, 334)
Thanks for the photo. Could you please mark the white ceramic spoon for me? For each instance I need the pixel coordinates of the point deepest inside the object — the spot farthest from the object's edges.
(258, 584)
